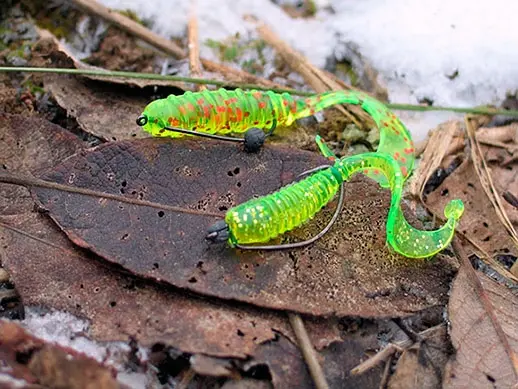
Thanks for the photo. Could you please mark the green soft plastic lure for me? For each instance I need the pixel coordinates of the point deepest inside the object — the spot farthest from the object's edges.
(262, 219)
(223, 111)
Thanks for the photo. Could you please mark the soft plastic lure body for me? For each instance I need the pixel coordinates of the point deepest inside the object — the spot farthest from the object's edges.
(260, 220)
(223, 111)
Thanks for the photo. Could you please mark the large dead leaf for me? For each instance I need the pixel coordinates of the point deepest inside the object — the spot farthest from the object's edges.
(349, 272)
(98, 109)
(27, 145)
(485, 336)
(49, 271)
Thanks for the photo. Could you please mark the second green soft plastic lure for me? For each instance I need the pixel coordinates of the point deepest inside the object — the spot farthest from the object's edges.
(262, 219)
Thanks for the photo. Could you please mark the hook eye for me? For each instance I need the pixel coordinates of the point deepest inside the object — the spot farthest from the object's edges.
(142, 120)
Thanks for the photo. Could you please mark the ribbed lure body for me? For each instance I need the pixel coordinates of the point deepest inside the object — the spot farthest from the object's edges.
(224, 111)
(262, 219)
(220, 112)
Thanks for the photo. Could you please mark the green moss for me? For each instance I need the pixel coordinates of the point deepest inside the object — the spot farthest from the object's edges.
(345, 70)
(133, 16)
(32, 87)
(234, 48)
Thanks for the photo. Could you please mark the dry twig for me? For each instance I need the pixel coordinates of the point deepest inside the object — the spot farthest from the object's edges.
(194, 47)
(319, 80)
(310, 355)
(35, 182)
(386, 353)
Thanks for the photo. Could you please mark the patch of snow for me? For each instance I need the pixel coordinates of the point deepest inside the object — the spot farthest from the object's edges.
(70, 331)
(11, 382)
(454, 53)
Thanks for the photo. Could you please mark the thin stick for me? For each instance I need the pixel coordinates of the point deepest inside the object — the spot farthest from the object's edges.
(219, 83)
(390, 349)
(35, 182)
(386, 373)
(153, 76)
(308, 351)
(194, 48)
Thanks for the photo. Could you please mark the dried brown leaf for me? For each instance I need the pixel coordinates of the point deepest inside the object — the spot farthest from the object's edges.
(486, 180)
(49, 271)
(349, 271)
(480, 222)
(35, 361)
(436, 148)
(286, 364)
(484, 332)
(98, 109)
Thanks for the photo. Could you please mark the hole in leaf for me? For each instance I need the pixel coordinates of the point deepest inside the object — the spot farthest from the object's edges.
(444, 192)
(161, 213)
(113, 303)
(192, 280)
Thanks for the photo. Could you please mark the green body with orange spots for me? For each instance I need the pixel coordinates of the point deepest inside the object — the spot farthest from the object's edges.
(223, 111)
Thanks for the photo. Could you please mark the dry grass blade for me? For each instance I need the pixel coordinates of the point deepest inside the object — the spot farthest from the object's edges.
(194, 47)
(308, 351)
(436, 149)
(319, 80)
(486, 181)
